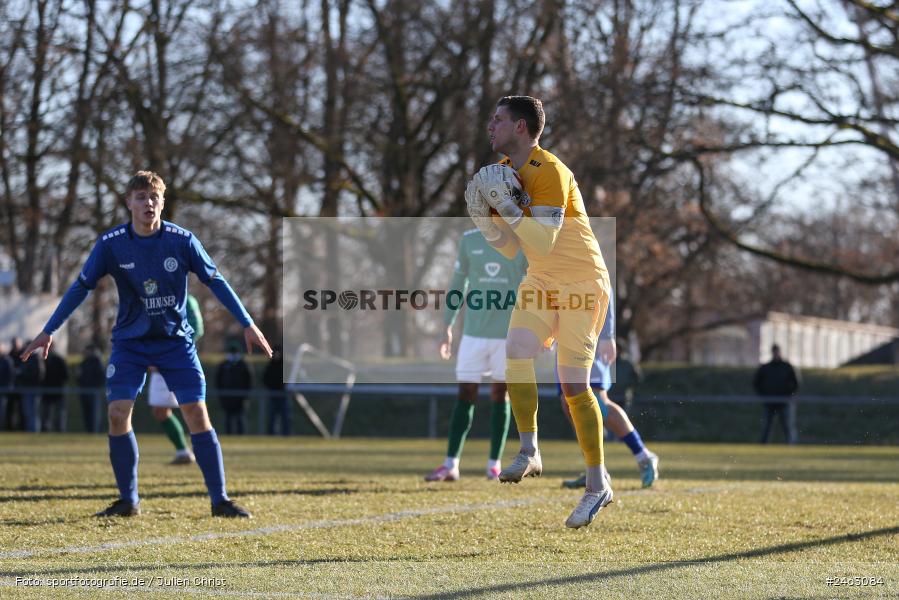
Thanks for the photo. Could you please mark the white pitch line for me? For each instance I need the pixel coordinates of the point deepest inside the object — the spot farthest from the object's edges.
(323, 524)
(206, 591)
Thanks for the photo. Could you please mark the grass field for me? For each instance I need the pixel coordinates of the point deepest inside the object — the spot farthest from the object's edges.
(353, 519)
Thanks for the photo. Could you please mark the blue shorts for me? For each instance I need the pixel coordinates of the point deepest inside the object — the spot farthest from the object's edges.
(175, 358)
(600, 379)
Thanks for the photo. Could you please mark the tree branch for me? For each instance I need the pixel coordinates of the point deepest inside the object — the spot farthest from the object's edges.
(779, 257)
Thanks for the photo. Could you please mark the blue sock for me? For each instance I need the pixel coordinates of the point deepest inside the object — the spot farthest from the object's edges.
(123, 455)
(209, 458)
(634, 442)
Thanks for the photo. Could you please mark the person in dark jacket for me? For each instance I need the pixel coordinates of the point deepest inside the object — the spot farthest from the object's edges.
(14, 399)
(278, 407)
(56, 376)
(91, 375)
(6, 379)
(627, 377)
(777, 381)
(32, 376)
(232, 378)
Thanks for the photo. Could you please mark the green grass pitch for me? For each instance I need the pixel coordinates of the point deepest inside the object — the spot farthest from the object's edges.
(354, 519)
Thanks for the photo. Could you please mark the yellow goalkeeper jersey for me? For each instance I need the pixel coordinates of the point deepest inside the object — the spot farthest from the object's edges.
(575, 255)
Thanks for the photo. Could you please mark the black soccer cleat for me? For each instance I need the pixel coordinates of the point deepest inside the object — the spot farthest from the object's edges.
(229, 509)
(120, 508)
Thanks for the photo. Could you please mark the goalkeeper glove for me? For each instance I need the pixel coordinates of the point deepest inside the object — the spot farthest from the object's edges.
(500, 187)
(479, 211)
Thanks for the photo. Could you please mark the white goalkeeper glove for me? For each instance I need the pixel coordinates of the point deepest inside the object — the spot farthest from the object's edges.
(501, 188)
(479, 211)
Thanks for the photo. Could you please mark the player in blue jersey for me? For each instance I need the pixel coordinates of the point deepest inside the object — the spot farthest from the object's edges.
(150, 260)
(614, 416)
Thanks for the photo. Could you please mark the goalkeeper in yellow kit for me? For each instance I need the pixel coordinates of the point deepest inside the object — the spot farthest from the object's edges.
(564, 296)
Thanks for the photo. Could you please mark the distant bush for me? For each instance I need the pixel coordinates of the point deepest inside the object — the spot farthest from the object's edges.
(676, 379)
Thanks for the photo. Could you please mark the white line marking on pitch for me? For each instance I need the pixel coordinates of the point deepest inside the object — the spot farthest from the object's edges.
(323, 524)
(208, 592)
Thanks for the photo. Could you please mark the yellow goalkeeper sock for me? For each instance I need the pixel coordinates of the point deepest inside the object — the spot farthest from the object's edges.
(588, 425)
(521, 381)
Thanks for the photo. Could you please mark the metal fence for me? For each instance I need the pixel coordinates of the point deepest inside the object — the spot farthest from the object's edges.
(432, 395)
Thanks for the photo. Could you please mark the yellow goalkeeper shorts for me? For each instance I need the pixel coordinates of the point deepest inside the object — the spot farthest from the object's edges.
(572, 314)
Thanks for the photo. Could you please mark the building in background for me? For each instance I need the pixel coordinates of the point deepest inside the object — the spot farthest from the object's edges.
(21, 315)
(805, 341)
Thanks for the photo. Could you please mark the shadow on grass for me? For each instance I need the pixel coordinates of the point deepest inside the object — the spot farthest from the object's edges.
(38, 523)
(57, 488)
(194, 494)
(794, 473)
(227, 565)
(660, 567)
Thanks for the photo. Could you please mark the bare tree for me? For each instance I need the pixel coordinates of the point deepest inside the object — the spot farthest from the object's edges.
(830, 90)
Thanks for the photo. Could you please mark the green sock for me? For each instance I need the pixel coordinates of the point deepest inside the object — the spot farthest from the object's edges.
(460, 423)
(499, 428)
(174, 431)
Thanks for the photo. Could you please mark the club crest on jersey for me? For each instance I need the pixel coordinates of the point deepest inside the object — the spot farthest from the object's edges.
(110, 370)
(556, 217)
(170, 264)
(150, 287)
(492, 268)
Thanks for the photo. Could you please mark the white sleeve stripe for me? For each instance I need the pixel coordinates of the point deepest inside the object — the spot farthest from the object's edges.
(550, 216)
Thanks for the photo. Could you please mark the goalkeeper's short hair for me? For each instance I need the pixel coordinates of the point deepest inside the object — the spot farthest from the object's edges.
(528, 108)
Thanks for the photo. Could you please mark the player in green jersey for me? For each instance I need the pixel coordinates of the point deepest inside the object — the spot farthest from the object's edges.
(483, 281)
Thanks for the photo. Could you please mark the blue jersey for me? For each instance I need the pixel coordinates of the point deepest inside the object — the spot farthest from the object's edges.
(151, 277)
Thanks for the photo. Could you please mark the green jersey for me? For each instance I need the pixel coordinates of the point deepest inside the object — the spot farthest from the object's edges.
(194, 317)
(485, 282)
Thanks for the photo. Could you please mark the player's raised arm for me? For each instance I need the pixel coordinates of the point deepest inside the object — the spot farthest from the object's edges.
(43, 340)
(94, 269)
(492, 227)
(502, 190)
(253, 337)
(204, 267)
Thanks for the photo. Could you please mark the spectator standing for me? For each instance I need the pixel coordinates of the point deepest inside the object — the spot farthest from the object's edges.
(777, 382)
(91, 375)
(233, 381)
(627, 377)
(6, 379)
(53, 403)
(278, 408)
(32, 376)
(14, 399)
